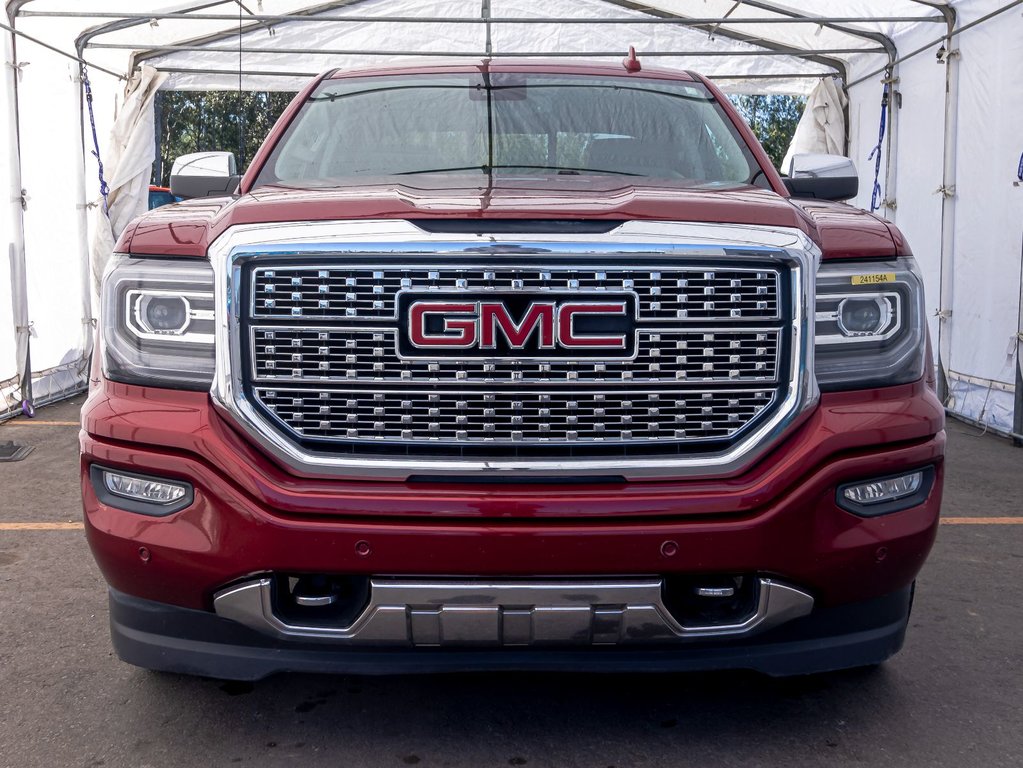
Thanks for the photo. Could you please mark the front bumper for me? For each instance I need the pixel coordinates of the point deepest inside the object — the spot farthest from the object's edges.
(173, 639)
(249, 518)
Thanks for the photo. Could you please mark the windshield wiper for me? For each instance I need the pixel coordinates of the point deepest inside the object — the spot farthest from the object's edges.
(562, 169)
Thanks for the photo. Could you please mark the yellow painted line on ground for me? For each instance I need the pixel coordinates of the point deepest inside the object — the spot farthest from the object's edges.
(34, 423)
(982, 521)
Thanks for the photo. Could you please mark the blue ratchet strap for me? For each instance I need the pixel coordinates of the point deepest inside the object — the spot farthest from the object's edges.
(875, 153)
(103, 188)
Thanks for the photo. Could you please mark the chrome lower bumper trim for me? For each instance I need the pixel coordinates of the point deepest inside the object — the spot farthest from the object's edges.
(404, 612)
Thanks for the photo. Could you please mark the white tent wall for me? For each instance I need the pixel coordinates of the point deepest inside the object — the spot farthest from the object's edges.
(864, 117)
(981, 330)
(53, 229)
(988, 241)
(52, 162)
(917, 160)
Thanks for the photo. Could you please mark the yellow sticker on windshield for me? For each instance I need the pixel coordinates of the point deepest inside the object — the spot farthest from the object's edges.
(880, 277)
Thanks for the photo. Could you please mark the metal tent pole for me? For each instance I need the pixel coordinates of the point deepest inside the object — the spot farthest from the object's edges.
(780, 51)
(950, 58)
(15, 217)
(1017, 410)
(516, 20)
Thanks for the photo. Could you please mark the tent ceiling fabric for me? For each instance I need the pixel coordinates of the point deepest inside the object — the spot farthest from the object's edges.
(747, 49)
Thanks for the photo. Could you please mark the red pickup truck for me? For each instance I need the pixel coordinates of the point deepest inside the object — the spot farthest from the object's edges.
(511, 366)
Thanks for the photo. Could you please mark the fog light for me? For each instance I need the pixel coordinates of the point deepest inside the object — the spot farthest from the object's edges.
(880, 491)
(864, 317)
(140, 493)
(153, 491)
(888, 494)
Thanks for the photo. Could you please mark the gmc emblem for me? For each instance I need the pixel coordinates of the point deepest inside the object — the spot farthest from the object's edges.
(517, 325)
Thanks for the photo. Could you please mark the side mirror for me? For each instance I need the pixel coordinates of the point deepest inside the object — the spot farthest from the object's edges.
(822, 177)
(204, 174)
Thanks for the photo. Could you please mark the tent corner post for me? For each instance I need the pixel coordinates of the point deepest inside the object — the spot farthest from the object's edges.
(891, 169)
(77, 97)
(1017, 404)
(15, 217)
(946, 297)
(1017, 411)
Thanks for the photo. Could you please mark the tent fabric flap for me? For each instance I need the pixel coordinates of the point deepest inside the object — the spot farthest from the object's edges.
(821, 129)
(129, 161)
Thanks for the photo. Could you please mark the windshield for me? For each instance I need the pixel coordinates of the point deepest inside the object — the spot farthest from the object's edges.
(511, 124)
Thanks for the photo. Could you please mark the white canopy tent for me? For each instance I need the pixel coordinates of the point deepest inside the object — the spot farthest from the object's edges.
(948, 163)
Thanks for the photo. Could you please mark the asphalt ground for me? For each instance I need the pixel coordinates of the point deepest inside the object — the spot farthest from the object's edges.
(952, 697)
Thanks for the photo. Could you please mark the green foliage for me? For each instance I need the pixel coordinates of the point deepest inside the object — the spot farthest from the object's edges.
(205, 121)
(773, 119)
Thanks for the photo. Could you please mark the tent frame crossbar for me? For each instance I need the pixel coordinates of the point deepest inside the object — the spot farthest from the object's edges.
(285, 74)
(567, 20)
(60, 52)
(157, 50)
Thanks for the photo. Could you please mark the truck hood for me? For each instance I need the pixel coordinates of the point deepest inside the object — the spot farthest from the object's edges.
(187, 229)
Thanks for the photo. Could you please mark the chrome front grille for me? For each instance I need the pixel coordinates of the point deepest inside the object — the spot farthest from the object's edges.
(669, 294)
(322, 364)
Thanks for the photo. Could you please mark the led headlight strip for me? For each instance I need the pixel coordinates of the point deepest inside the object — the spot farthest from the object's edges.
(158, 322)
(870, 328)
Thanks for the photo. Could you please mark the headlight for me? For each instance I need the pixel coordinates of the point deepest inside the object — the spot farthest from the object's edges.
(158, 322)
(870, 329)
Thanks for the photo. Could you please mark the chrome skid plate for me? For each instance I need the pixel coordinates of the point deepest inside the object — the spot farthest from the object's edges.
(415, 612)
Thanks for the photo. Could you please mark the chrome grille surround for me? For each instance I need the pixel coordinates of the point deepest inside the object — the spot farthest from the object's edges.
(791, 390)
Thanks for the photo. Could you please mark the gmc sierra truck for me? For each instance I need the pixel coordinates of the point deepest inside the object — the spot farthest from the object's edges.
(507, 366)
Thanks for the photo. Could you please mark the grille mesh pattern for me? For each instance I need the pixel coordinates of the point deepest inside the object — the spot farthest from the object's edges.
(290, 354)
(664, 294)
(522, 417)
(323, 362)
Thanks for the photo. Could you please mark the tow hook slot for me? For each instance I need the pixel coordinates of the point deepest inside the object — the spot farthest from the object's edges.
(711, 600)
(319, 599)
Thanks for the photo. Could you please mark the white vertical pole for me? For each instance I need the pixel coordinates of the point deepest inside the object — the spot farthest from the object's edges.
(948, 212)
(14, 215)
(76, 104)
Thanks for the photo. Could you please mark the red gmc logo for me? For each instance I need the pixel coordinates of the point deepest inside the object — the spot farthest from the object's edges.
(518, 325)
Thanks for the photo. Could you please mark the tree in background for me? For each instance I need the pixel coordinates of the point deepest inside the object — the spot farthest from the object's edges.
(773, 119)
(207, 121)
